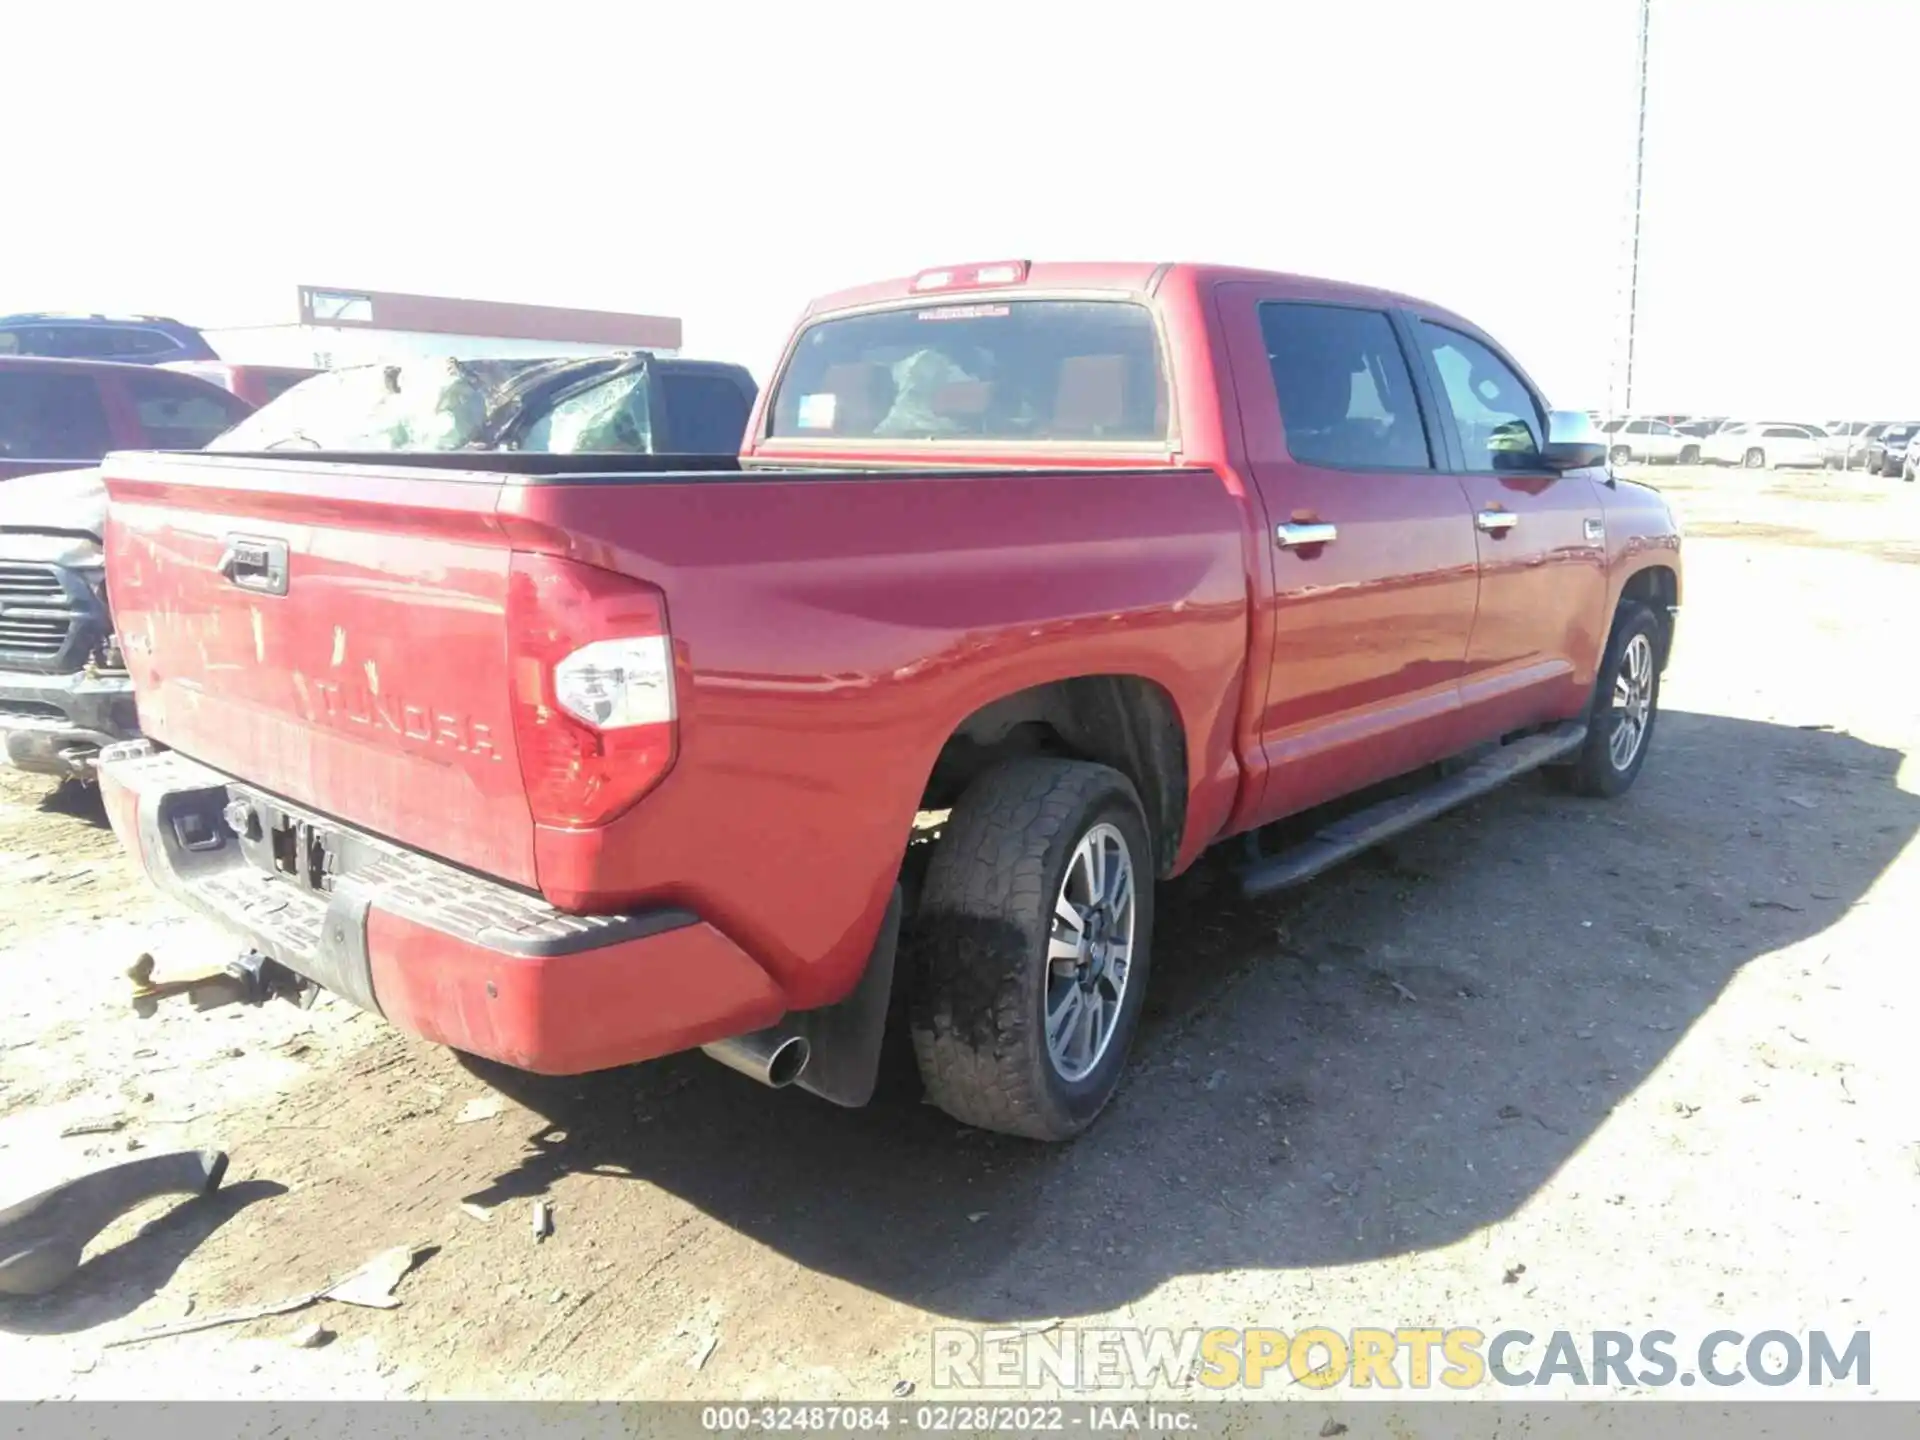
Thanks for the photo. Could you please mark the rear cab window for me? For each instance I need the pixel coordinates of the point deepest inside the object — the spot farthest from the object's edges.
(1010, 370)
(177, 413)
(274, 386)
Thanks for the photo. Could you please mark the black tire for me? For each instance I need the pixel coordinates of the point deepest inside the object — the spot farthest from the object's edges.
(1593, 771)
(980, 939)
(1690, 455)
(1755, 459)
(1620, 455)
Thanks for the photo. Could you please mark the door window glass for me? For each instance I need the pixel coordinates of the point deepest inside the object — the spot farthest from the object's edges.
(1495, 415)
(51, 416)
(1346, 394)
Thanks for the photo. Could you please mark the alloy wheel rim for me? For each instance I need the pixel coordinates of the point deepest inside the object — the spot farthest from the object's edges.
(1632, 702)
(1089, 952)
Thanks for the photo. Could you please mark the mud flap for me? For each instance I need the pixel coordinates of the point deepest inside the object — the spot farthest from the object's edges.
(846, 1038)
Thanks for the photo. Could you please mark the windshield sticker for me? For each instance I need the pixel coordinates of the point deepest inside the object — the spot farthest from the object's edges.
(965, 312)
(816, 411)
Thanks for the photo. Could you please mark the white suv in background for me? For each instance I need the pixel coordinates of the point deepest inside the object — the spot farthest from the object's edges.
(1647, 440)
(1761, 444)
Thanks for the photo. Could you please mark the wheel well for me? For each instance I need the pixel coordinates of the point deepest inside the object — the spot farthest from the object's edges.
(1120, 720)
(1658, 588)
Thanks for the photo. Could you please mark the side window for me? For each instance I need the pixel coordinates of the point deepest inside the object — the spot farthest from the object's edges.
(1494, 414)
(137, 342)
(606, 418)
(180, 414)
(52, 417)
(32, 340)
(706, 415)
(77, 342)
(1638, 427)
(1346, 394)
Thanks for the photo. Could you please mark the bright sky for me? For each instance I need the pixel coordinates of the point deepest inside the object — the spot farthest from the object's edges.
(724, 162)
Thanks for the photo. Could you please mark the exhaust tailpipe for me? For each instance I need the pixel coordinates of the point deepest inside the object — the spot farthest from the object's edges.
(774, 1057)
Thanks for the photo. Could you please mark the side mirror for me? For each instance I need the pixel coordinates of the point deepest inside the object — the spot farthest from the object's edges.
(1572, 442)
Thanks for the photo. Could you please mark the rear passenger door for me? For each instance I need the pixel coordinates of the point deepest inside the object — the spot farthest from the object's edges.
(1370, 541)
(1541, 536)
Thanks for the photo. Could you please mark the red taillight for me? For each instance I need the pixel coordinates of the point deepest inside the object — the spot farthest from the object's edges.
(593, 698)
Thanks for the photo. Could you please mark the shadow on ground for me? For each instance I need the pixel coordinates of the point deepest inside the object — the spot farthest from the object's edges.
(81, 801)
(1380, 1063)
(115, 1282)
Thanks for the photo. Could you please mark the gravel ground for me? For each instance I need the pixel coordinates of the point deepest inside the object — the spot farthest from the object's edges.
(1545, 1064)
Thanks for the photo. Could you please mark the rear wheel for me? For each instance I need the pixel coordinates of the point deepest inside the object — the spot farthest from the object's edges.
(1755, 459)
(1626, 702)
(1690, 455)
(1620, 455)
(1032, 941)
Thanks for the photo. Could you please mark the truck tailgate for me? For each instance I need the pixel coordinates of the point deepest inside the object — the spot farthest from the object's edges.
(334, 633)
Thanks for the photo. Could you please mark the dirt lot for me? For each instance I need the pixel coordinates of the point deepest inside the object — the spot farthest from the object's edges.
(1656, 1052)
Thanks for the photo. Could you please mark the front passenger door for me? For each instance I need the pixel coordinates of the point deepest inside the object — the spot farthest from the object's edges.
(1541, 534)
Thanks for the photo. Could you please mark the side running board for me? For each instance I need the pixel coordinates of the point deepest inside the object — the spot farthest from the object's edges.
(1349, 835)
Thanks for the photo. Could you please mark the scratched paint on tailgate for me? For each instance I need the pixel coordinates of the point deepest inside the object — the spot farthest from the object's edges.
(376, 688)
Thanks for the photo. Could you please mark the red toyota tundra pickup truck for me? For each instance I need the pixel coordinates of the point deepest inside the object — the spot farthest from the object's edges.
(1031, 583)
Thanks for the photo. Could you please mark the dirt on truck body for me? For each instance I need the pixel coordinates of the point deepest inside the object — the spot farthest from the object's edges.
(571, 761)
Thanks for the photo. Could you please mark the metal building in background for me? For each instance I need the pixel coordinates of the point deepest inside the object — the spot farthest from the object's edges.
(339, 326)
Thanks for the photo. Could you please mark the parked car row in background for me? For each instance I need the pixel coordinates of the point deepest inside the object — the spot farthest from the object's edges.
(58, 414)
(1883, 447)
(132, 339)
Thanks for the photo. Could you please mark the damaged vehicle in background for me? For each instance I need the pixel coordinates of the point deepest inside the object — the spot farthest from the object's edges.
(63, 690)
(634, 403)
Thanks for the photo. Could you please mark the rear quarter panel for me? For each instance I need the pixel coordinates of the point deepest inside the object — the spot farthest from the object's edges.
(831, 633)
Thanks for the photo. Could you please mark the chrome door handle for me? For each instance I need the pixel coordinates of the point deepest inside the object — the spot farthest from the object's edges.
(1496, 522)
(1296, 537)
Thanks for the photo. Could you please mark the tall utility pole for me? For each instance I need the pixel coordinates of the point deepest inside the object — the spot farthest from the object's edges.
(1639, 179)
